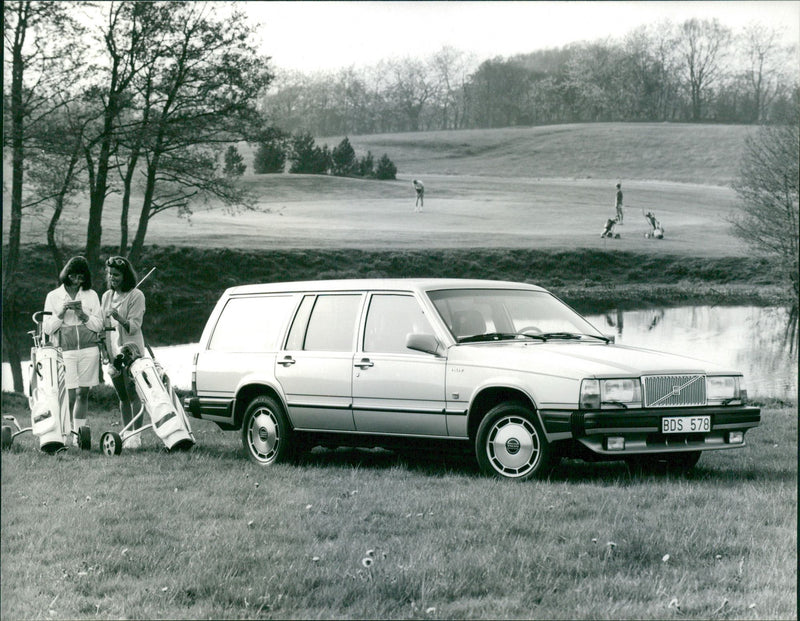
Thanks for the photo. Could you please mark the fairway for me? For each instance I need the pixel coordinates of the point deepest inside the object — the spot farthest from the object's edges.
(540, 188)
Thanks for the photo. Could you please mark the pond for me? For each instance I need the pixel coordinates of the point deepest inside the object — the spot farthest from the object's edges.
(759, 341)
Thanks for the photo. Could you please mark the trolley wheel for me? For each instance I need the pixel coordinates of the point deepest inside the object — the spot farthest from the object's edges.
(110, 443)
(181, 446)
(51, 448)
(84, 438)
(7, 437)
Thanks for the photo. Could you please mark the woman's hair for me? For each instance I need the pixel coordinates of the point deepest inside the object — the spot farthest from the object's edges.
(76, 265)
(128, 274)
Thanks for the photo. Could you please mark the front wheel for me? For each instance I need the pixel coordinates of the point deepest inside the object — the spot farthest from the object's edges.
(110, 443)
(510, 443)
(266, 435)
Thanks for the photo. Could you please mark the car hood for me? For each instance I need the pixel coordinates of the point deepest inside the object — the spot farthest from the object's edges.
(578, 359)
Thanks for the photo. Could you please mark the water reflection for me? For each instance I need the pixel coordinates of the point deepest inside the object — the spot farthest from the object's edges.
(760, 342)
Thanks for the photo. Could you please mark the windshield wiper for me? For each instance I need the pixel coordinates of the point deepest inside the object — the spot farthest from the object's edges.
(573, 336)
(498, 336)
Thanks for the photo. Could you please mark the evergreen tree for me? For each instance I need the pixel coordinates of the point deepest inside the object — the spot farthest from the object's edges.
(343, 158)
(271, 153)
(386, 168)
(234, 163)
(307, 157)
(366, 165)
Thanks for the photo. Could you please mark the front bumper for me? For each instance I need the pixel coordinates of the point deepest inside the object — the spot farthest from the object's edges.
(641, 428)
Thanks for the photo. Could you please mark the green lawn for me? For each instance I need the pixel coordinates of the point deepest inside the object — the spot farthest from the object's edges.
(367, 534)
(543, 187)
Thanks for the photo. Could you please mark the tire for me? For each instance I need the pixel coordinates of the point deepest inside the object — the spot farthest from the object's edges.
(266, 434)
(666, 463)
(510, 443)
(110, 443)
(84, 438)
(51, 448)
(7, 437)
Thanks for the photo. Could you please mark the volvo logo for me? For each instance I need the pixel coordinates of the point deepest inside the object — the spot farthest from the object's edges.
(512, 446)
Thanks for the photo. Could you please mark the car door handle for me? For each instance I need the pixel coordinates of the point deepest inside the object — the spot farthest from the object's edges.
(287, 361)
(364, 364)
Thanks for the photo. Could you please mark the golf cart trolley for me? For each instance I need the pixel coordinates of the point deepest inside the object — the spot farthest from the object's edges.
(47, 396)
(158, 397)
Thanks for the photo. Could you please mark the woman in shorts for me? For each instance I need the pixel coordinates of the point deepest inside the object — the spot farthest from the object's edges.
(123, 308)
(74, 323)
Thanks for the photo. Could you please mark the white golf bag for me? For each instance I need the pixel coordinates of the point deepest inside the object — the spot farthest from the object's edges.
(50, 417)
(161, 403)
(159, 399)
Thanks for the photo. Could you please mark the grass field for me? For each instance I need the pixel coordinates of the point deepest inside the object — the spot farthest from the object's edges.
(368, 534)
(543, 187)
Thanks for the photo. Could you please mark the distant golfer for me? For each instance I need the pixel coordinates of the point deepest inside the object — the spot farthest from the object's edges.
(420, 189)
(618, 204)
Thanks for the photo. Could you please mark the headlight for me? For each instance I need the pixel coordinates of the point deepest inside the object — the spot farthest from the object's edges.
(611, 393)
(624, 391)
(724, 389)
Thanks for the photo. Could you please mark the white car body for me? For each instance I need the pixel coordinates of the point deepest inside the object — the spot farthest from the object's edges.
(323, 361)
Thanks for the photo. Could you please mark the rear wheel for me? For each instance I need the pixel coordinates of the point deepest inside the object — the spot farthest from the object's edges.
(7, 437)
(510, 443)
(266, 435)
(84, 438)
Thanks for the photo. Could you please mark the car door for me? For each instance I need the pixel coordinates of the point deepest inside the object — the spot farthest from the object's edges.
(397, 390)
(315, 366)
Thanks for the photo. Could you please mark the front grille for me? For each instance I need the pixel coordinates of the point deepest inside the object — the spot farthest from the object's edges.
(669, 391)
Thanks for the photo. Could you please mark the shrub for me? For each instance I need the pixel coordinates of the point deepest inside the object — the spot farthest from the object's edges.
(386, 168)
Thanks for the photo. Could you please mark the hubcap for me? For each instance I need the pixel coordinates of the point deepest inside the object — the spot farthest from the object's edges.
(512, 446)
(263, 435)
(109, 444)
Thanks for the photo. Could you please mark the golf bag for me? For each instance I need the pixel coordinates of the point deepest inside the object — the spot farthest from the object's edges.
(608, 229)
(656, 230)
(159, 399)
(47, 394)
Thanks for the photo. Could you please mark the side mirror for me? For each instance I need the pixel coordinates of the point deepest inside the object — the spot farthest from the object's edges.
(426, 343)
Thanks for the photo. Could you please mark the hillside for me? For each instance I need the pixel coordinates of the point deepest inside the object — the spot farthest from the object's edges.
(543, 187)
(679, 152)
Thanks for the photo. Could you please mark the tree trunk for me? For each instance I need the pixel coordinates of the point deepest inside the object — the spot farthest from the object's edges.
(15, 228)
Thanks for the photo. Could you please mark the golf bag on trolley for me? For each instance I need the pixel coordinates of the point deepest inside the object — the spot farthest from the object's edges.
(608, 228)
(47, 397)
(656, 230)
(159, 399)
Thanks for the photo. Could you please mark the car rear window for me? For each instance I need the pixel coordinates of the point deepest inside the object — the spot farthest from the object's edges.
(251, 324)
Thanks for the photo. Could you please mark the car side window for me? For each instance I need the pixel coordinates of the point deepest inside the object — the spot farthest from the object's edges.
(297, 332)
(251, 324)
(332, 324)
(391, 318)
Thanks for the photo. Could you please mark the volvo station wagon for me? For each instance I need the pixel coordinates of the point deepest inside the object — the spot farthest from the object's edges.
(503, 370)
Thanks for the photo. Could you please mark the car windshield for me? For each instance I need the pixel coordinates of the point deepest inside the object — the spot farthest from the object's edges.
(501, 314)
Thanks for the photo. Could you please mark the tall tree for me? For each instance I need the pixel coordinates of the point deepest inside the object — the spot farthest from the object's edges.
(36, 39)
(204, 95)
(769, 195)
(765, 59)
(703, 45)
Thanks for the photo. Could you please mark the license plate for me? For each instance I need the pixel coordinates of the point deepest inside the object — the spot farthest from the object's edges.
(686, 424)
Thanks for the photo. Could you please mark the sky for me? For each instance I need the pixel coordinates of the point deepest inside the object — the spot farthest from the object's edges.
(310, 36)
